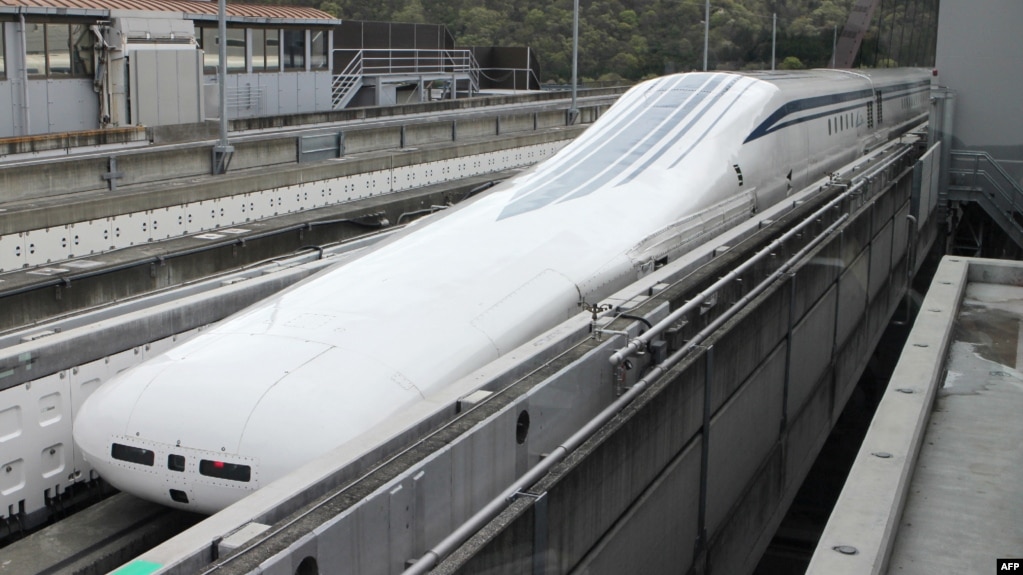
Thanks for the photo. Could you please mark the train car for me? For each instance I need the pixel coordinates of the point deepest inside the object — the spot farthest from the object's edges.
(332, 358)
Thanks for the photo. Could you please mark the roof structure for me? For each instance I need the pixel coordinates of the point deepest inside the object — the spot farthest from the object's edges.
(190, 9)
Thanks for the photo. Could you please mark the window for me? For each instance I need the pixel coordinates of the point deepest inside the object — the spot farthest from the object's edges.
(224, 470)
(211, 49)
(266, 50)
(207, 38)
(52, 50)
(132, 454)
(176, 462)
(294, 49)
(58, 50)
(273, 50)
(35, 48)
(3, 66)
(318, 51)
(235, 49)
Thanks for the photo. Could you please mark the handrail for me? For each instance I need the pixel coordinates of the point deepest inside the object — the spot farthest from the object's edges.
(976, 176)
(345, 82)
(414, 61)
(402, 61)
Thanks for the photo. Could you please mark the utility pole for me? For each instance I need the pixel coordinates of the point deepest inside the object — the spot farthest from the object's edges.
(573, 112)
(834, 47)
(774, 38)
(706, 33)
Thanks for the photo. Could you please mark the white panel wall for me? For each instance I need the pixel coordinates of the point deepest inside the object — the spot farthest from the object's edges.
(49, 246)
(38, 457)
(274, 94)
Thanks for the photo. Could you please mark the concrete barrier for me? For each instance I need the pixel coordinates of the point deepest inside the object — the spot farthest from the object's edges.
(157, 195)
(170, 164)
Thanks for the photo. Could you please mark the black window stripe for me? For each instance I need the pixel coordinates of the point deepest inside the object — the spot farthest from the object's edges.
(773, 122)
(132, 454)
(224, 470)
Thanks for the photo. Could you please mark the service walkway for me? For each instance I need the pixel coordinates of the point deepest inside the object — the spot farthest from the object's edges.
(938, 484)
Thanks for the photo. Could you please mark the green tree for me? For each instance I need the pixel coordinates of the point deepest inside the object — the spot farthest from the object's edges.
(639, 38)
(413, 11)
(791, 63)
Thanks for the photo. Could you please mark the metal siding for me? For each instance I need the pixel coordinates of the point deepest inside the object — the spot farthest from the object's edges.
(269, 84)
(287, 93)
(188, 78)
(7, 103)
(38, 111)
(167, 87)
(305, 92)
(145, 98)
(323, 83)
(73, 105)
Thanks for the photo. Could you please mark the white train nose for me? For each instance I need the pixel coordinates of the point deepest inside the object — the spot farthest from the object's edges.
(102, 417)
(169, 430)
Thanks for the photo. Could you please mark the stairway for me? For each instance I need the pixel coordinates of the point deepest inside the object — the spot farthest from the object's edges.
(346, 83)
(977, 177)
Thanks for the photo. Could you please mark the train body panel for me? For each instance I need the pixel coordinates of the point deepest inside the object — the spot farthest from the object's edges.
(321, 363)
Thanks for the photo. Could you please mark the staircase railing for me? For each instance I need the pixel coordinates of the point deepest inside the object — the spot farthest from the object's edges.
(976, 176)
(457, 65)
(347, 82)
(474, 73)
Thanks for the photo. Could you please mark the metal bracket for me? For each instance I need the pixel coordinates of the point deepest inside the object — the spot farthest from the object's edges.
(594, 309)
(112, 174)
(222, 159)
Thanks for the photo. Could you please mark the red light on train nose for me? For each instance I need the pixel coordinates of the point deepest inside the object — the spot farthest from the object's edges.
(224, 470)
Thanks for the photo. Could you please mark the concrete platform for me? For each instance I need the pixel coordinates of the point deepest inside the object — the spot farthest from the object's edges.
(938, 484)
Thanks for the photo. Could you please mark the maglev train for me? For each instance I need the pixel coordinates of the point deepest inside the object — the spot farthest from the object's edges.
(302, 372)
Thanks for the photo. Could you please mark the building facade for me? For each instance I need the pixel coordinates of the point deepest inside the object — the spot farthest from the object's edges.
(108, 63)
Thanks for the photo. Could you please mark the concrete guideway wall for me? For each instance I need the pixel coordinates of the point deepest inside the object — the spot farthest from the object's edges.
(25, 181)
(707, 461)
(46, 234)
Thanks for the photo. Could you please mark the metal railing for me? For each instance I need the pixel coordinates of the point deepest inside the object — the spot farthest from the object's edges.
(458, 64)
(347, 82)
(975, 176)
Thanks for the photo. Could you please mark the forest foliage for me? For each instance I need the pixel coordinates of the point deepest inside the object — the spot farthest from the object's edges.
(633, 39)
